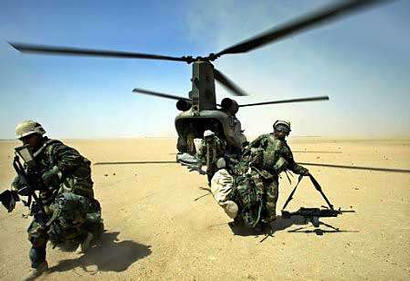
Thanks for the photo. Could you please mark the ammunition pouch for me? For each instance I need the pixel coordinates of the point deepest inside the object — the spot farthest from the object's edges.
(256, 157)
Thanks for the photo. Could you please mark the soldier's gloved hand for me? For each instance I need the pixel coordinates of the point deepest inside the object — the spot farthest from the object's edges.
(8, 199)
(305, 173)
(52, 177)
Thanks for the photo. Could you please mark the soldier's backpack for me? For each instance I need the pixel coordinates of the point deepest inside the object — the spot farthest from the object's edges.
(249, 196)
(73, 217)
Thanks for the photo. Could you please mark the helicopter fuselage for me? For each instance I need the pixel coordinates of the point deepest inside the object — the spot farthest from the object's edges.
(201, 113)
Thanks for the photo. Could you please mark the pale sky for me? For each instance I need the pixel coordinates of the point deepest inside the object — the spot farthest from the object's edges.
(362, 62)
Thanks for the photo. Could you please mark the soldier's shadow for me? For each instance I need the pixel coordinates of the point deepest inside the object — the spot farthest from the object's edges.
(279, 225)
(106, 255)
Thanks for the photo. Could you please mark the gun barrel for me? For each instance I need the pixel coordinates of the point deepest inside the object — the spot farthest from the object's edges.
(315, 212)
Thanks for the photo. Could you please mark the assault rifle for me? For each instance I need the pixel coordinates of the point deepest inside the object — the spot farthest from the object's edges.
(29, 181)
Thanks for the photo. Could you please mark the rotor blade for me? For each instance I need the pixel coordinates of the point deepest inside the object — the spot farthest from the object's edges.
(221, 78)
(162, 95)
(55, 50)
(287, 101)
(310, 20)
(357, 167)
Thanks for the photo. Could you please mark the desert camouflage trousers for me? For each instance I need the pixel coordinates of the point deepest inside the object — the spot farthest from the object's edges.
(271, 188)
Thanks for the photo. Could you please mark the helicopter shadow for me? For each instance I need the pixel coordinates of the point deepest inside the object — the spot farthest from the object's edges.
(108, 254)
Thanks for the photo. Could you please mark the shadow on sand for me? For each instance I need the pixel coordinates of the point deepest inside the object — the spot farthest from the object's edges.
(283, 224)
(280, 224)
(106, 255)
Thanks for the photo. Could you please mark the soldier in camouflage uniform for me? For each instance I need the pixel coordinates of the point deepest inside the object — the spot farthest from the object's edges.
(271, 156)
(74, 216)
(211, 149)
(247, 189)
(235, 188)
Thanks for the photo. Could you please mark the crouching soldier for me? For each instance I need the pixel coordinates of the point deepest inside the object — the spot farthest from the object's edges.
(237, 192)
(70, 214)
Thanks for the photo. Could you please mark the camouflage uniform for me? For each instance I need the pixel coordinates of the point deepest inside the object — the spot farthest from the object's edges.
(68, 200)
(271, 156)
(209, 153)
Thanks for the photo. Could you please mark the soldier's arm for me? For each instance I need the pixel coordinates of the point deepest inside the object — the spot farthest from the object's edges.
(67, 158)
(298, 169)
(257, 142)
(293, 166)
(221, 145)
(201, 154)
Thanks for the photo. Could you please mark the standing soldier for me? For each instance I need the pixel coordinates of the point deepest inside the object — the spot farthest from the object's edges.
(211, 150)
(72, 214)
(273, 156)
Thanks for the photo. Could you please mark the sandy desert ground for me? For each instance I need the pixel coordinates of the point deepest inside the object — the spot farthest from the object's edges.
(161, 225)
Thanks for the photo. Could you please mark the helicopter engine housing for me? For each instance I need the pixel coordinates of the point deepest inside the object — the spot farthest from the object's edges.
(230, 106)
(183, 105)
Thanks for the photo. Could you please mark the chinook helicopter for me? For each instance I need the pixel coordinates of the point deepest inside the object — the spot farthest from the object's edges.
(200, 112)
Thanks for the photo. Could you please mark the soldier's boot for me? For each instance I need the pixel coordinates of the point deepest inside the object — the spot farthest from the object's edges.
(230, 208)
(269, 222)
(37, 271)
(258, 228)
(238, 221)
(272, 222)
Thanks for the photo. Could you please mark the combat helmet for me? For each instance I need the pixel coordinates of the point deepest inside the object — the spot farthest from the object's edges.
(281, 125)
(221, 163)
(29, 127)
(208, 134)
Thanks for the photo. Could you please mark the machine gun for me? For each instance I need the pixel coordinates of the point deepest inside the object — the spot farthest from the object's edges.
(314, 214)
(30, 178)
